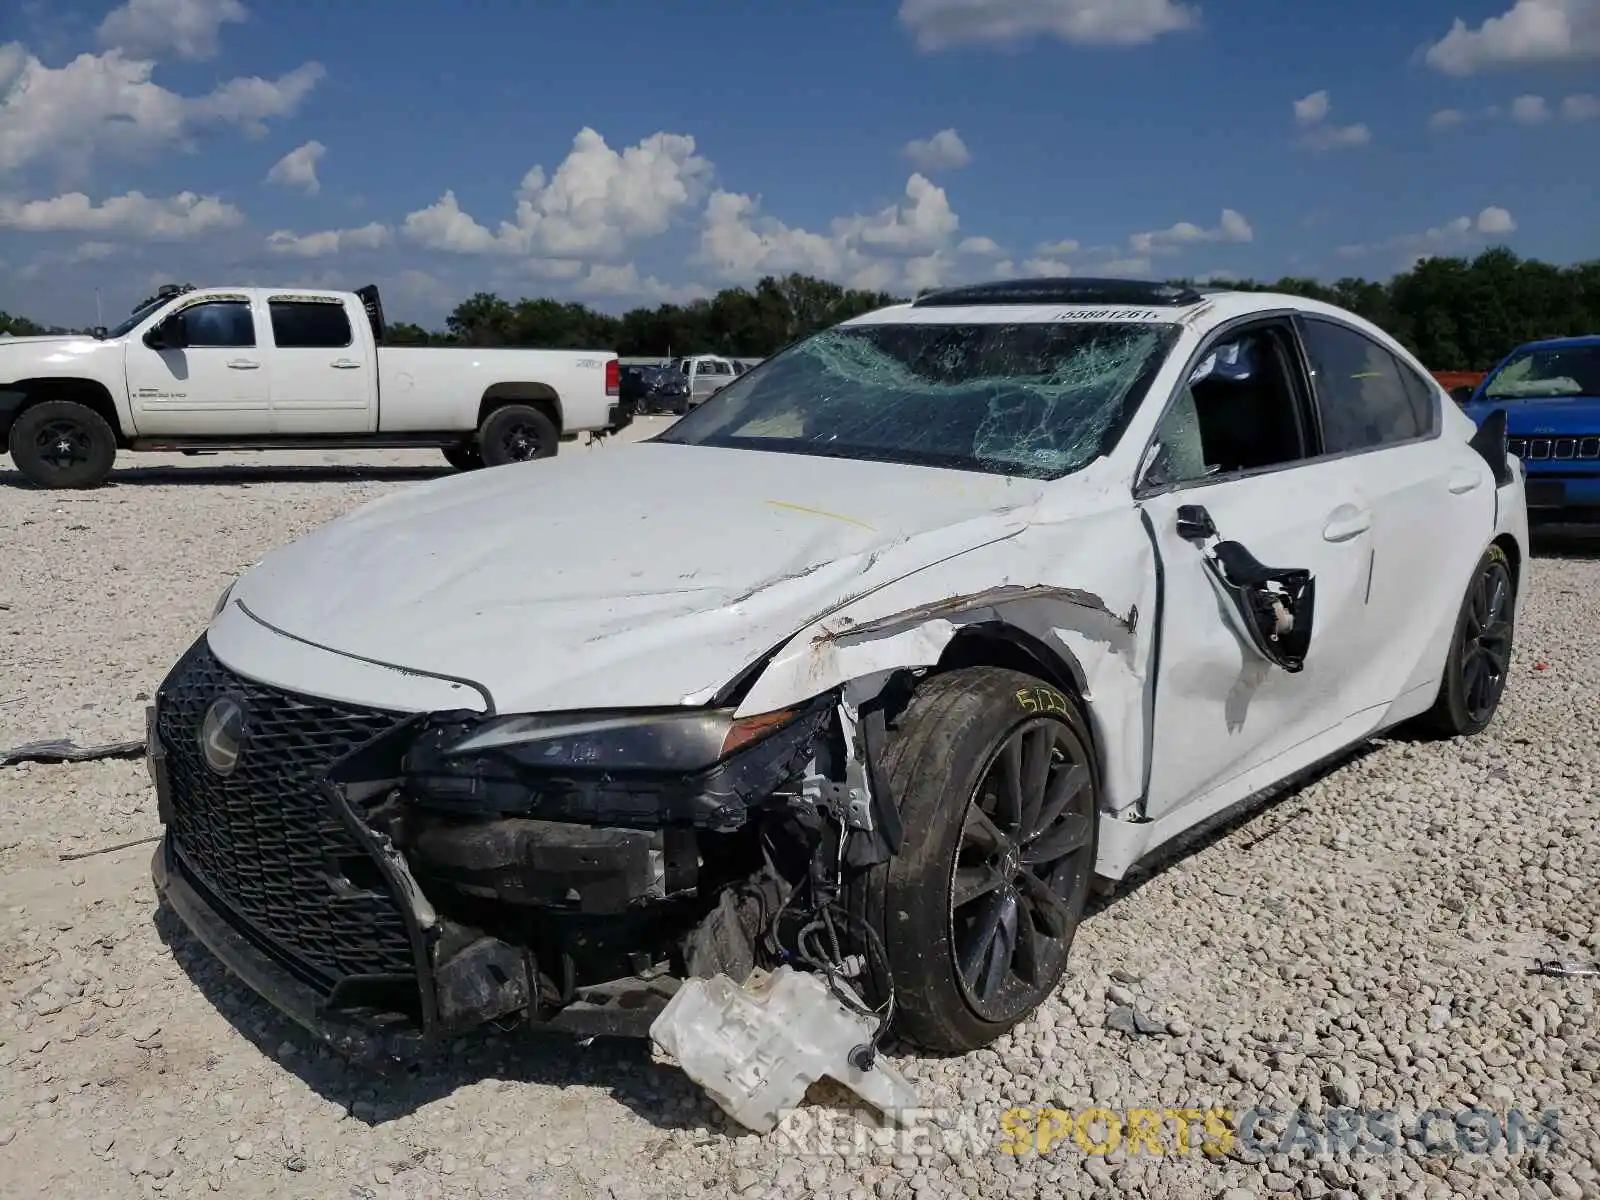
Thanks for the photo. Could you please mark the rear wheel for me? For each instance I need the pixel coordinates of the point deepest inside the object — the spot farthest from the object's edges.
(517, 433)
(1480, 653)
(463, 458)
(998, 792)
(63, 444)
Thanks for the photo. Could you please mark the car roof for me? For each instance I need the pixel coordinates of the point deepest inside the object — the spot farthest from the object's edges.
(1587, 339)
(1142, 302)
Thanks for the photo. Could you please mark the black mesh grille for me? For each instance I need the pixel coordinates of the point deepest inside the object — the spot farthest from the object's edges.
(263, 839)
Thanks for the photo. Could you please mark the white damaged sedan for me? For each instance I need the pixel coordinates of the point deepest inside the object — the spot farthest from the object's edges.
(868, 666)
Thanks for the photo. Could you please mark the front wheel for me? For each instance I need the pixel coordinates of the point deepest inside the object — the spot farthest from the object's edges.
(517, 433)
(998, 792)
(63, 444)
(1480, 652)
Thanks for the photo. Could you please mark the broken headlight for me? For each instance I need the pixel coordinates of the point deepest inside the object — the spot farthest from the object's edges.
(665, 741)
(643, 769)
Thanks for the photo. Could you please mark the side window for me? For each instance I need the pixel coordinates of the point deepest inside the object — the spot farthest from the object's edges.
(300, 323)
(1361, 390)
(220, 323)
(1238, 412)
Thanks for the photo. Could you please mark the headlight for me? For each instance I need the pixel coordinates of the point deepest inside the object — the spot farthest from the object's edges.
(663, 741)
(222, 600)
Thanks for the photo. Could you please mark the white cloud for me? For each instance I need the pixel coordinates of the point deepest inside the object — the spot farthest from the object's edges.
(1494, 221)
(185, 28)
(330, 241)
(1446, 119)
(1044, 267)
(298, 168)
(1530, 33)
(623, 280)
(1456, 235)
(944, 151)
(598, 200)
(1058, 249)
(1530, 110)
(939, 24)
(1313, 108)
(1232, 228)
(1581, 107)
(980, 246)
(1311, 115)
(108, 103)
(173, 218)
(737, 242)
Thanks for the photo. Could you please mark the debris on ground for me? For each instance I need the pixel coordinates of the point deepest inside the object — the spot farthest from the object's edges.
(62, 750)
(756, 1049)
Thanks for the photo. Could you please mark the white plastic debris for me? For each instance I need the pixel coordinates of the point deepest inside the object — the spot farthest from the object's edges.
(756, 1049)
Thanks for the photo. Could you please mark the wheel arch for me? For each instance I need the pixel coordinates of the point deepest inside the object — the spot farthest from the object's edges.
(90, 393)
(1514, 556)
(536, 395)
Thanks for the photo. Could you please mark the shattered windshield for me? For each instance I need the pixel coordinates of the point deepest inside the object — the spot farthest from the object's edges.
(1542, 374)
(1036, 400)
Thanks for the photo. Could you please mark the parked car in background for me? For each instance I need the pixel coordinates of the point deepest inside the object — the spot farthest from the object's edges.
(1460, 384)
(1550, 393)
(968, 601)
(707, 374)
(286, 369)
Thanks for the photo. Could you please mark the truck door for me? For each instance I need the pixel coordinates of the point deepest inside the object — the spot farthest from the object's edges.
(210, 378)
(324, 367)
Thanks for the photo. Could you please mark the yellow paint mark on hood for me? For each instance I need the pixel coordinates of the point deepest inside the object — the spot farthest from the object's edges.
(818, 512)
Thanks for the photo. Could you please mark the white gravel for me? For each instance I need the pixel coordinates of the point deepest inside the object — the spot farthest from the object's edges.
(1372, 951)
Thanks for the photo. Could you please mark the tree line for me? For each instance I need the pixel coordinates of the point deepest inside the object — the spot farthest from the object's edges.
(1455, 314)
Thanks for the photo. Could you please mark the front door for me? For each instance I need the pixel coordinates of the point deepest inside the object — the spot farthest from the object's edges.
(218, 385)
(324, 380)
(1265, 555)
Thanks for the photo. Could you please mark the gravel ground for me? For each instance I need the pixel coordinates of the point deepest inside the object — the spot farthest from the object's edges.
(1361, 942)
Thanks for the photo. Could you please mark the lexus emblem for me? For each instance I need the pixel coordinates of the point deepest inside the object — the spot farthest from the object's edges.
(222, 734)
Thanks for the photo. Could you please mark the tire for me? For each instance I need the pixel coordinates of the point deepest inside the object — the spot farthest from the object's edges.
(463, 458)
(948, 754)
(1479, 660)
(63, 444)
(517, 433)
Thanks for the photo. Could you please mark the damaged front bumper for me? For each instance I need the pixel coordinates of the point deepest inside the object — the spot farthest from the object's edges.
(386, 912)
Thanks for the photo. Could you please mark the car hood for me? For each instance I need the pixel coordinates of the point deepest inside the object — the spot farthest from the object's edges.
(1553, 414)
(633, 575)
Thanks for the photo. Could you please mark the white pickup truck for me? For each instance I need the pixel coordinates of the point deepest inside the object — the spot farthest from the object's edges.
(285, 369)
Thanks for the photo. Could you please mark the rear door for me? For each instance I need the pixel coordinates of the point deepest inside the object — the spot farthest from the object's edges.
(1432, 500)
(324, 370)
(1265, 551)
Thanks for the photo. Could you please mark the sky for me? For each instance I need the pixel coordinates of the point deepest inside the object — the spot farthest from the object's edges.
(628, 153)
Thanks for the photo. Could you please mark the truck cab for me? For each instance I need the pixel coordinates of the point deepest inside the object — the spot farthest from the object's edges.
(1550, 393)
(707, 374)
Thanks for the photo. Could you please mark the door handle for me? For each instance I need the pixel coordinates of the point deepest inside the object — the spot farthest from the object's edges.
(244, 364)
(346, 364)
(1345, 522)
(1464, 479)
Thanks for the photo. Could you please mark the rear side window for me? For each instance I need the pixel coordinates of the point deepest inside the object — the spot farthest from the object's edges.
(1366, 398)
(220, 323)
(300, 323)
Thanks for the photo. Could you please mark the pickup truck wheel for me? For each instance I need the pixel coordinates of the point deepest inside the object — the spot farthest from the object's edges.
(63, 444)
(517, 433)
(998, 793)
(463, 458)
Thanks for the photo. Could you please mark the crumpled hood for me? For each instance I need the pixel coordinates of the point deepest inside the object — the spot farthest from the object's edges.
(642, 574)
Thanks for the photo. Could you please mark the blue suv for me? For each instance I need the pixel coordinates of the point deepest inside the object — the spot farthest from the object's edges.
(1550, 392)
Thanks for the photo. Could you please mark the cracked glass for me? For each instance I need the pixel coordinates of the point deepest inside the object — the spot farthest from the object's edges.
(1033, 400)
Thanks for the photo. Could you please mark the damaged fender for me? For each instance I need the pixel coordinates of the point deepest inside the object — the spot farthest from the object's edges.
(1085, 593)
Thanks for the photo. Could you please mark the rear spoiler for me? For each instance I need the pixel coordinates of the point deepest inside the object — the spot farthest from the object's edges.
(370, 301)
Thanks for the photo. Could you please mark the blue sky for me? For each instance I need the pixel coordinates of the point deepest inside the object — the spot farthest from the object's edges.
(624, 153)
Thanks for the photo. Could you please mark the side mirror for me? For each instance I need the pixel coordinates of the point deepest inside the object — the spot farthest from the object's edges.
(1461, 394)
